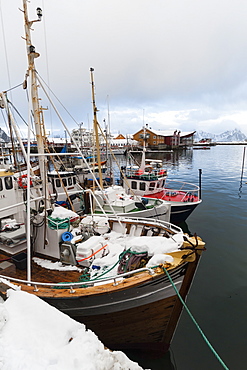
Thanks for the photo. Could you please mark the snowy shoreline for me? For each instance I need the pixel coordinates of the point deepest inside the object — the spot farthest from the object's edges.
(36, 336)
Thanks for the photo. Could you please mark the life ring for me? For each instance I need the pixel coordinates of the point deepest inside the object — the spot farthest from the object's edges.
(22, 182)
(139, 172)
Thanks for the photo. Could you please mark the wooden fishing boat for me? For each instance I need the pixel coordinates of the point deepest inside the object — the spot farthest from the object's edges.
(116, 275)
(128, 301)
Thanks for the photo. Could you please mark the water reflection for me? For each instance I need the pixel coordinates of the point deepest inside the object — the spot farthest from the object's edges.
(217, 297)
(170, 158)
(165, 362)
(242, 173)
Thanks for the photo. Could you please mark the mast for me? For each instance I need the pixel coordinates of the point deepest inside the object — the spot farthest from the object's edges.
(109, 141)
(37, 110)
(95, 126)
(142, 165)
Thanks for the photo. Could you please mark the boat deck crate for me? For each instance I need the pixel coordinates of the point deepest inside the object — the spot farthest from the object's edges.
(20, 261)
(94, 247)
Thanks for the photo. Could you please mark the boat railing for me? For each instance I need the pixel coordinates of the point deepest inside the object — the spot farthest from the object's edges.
(7, 280)
(145, 176)
(188, 190)
(146, 221)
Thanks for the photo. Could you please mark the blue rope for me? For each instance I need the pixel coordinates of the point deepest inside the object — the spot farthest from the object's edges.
(194, 320)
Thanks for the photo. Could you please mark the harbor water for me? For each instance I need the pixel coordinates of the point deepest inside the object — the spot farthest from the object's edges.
(218, 296)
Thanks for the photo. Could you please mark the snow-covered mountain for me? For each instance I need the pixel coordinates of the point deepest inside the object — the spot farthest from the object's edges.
(227, 136)
(3, 136)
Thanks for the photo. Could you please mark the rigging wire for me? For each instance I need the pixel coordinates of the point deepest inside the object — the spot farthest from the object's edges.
(12, 88)
(19, 114)
(57, 98)
(47, 61)
(5, 47)
(4, 119)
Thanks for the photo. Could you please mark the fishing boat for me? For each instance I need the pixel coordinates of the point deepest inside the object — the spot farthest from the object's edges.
(113, 276)
(149, 179)
(115, 200)
(119, 276)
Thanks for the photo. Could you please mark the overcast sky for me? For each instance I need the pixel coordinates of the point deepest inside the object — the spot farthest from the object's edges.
(178, 64)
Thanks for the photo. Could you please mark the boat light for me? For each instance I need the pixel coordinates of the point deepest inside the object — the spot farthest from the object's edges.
(39, 13)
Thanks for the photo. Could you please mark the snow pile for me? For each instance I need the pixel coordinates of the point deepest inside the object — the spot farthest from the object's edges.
(50, 265)
(62, 213)
(36, 336)
(115, 244)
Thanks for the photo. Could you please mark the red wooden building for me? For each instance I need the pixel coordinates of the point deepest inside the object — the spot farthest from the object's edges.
(169, 139)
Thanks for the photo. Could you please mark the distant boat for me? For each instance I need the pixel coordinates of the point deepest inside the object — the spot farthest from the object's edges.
(201, 147)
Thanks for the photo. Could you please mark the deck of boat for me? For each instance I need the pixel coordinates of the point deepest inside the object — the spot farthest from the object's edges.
(175, 196)
(8, 268)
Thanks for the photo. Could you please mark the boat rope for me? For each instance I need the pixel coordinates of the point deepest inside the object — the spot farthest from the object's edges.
(195, 322)
(58, 223)
(93, 254)
(86, 275)
(106, 271)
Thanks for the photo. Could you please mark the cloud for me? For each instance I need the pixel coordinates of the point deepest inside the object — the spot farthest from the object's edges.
(183, 63)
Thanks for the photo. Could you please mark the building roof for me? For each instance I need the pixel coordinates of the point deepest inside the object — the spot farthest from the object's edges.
(119, 136)
(123, 141)
(168, 132)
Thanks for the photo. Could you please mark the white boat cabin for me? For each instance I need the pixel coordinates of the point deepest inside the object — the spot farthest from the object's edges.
(66, 183)
(148, 181)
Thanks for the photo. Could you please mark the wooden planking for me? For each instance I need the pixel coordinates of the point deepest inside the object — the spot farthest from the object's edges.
(40, 274)
(145, 324)
(139, 327)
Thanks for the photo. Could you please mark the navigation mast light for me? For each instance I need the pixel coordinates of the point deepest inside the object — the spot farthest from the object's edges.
(39, 13)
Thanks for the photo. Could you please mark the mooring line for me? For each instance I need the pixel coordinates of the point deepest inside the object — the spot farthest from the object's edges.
(195, 322)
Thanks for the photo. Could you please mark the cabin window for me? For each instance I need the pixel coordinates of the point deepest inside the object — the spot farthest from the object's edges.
(58, 183)
(154, 142)
(133, 185)
(64, 182)
(69, 181)
(1, 185)
(152, 186)
(74, 180)
(158, 184)
(142, 186)
(8, 182)
(163, 184)
(154, 137)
